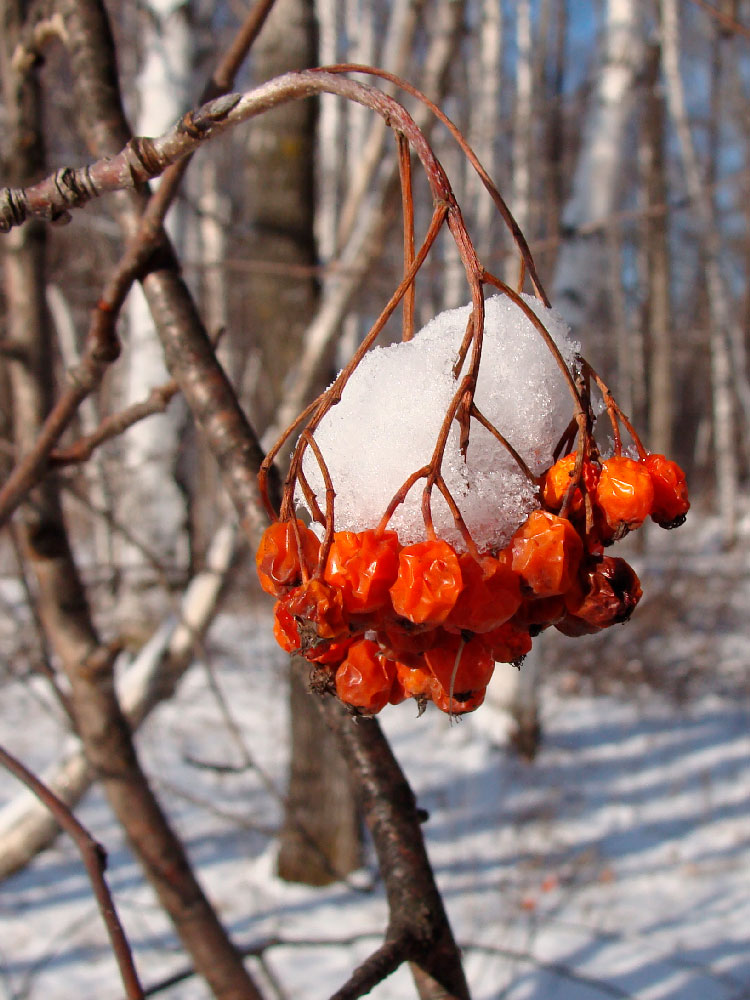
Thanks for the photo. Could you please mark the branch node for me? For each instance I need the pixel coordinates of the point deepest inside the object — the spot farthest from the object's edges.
(13, 208)
(211, 113)
(145, 153)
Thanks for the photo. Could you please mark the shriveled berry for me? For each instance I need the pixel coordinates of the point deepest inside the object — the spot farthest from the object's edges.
(609, 594)
(428, 582)
(547, 551)
(537, 613)
(459, 704)
(558, 478)
(278, 558)
(415, 680)
(320, 605)
(461, 666)
(285, 628)
(509, 643)
(398, 691)
(671, 502)
(329, 652)
(406, 642)
(363, 565)
(365, 679)
(490, 596)
(624, 494)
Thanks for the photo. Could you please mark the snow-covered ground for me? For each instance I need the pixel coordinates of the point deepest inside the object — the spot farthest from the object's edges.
(616, 865)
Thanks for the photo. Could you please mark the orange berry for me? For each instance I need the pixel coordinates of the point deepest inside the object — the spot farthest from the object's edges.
(415, 680)
(363, 565)
(328, 652)
(458, 704)
(278, 559)
(671, 502)
(319, 604)
(547, 551)
(609, 593)
(365, 679)
(402, 641)
(557, 480)
(491, 594)
(285, 628)
(509, 643)
(624, 494)
(398, 691)
(537, 613)
(461, 666)
(428, 582)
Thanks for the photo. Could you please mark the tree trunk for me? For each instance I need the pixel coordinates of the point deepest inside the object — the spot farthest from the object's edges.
(152, 504)
(724, 416)
(520, 201)
(485, 72)
(320, 839)
(578, 284)
(656, 247)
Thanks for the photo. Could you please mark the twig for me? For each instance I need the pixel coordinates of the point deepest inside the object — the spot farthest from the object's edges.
(385, 960)
(94, 858)
(117, 423)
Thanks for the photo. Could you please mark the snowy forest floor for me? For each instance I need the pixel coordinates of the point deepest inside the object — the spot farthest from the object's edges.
(616, 865)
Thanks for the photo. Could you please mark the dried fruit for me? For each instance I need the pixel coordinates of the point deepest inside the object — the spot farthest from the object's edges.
(508, 644)
(428, 582)
(285, 628)
(406, 642)
(328, 652)
(558, 478)
(461, 666)
(320, 605)
(546, 553)
(490, 596)
(365, 678)
(278, 558)
(458, 704)
(416, 681)
(537, 613)
(671, 502)
(624, 494)
(609, 593)
(363, 565)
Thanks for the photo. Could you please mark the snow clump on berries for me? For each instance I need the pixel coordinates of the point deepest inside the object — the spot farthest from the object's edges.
(392, 408)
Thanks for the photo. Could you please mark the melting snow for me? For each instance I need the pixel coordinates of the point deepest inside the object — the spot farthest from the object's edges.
(387, 423)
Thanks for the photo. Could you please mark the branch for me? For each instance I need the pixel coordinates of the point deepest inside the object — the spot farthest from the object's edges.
(25, 828)
(94, 858)
(117, 423)
(417, 918)
(141, 159)
(385, 960)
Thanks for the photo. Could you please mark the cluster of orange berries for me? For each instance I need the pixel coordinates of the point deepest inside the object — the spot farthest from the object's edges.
(381, 622)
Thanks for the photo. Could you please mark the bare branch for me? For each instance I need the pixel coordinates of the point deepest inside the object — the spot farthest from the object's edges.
(142, 159)
(94, 858)
(385, 960)
(416, 912)
(152, 676)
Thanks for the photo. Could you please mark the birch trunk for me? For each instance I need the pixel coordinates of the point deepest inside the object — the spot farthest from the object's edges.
(520, 201)
(579, 280)
(152, 504)
(724, 416)
(484, 79)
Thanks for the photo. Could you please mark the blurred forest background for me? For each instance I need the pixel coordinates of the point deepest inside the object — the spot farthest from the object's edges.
(618, 132)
